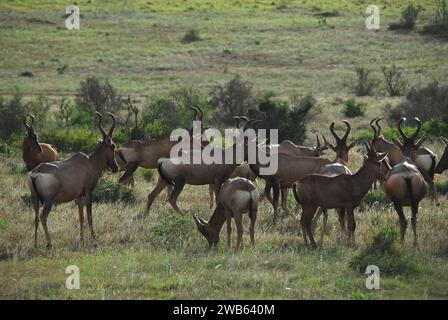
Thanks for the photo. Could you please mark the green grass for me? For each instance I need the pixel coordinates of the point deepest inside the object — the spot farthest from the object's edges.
(279, 46)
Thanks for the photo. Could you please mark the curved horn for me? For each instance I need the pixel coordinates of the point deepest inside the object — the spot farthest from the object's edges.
(375, 131)
(318, 141)
(24, 122)
(100, 124)
(114, 120)
(244, 118)
(445, 141)
(347, 132)
(403, 135)
(367, 147)
(237, 121)
(247, 124)
(333, 132)
(195, 112)
(377, 122)
(200, 111)
(419, 123)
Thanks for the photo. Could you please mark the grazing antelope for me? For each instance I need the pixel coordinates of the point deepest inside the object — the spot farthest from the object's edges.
(72, 179)
(35, 153)
(443, 163)
(237, 196)
(342, 191)
(405, 187)
(423, 158)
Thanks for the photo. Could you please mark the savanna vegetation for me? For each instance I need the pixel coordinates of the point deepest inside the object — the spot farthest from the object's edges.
(296, 65)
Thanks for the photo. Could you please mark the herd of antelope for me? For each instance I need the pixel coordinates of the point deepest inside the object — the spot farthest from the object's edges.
(404, 168)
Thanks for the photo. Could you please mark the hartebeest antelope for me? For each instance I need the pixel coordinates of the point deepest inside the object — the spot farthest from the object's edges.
(34, 152)
(122, 165)
(423, 158)
(443, 163)
(341, 148)
(72, 179)
(382, 145)
(405, 187)
(179, 174)
(342, 191)
(237, 196)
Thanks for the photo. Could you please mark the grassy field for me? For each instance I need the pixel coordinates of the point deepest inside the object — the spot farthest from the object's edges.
(277, 45)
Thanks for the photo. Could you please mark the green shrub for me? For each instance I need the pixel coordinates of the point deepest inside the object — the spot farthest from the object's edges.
(375, 198)
(100, 94)
(289, 117)
(110, 191)
(409, 17)
(354, 109)
(76, 139)
(11, 120)
(173, 231)
(192, 35)
(383, 252)
(442, 187)
(426, 103)
(365, 84)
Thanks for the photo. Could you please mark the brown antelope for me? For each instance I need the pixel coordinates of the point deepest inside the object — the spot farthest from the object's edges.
(72, 179)
(405, 187)
(341, 148)
(122, 165)
(35, 153)
(338, 166)
(179, 174)
(342, 191)
(443, 163)
(237, 196)
(423, 158)
(382, 145)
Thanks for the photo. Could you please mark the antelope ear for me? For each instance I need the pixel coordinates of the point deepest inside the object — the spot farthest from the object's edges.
(397, 143)
(353, 144)
(420, 142)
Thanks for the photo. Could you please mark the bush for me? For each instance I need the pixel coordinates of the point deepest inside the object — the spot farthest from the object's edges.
(425, 103)
(354, 109)
(173, 231)
(439, 25)
(365, 84)
(191, 36)
(11, 120)
(110, 191)
(99, 94)
(74, 140)
(232, 99)
(409, 17)
(289, 118)
(395, 84)
(442, 187)
(375, 198)
(383, 252)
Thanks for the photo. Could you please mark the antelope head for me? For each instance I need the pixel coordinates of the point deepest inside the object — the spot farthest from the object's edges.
(107, 143)
(205, 229)
(443, 163)
(341, 148)
(377, 161)
(409, 145)
(198, 115)
(31, 135)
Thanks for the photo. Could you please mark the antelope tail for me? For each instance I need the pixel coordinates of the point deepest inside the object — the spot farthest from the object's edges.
(33, 186)
(296, 195)
(163, 175)
(408, 181)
